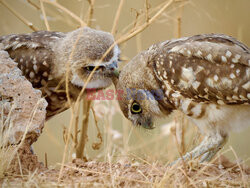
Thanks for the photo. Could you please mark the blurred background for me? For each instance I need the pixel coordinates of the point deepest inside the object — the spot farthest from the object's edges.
(121, 141)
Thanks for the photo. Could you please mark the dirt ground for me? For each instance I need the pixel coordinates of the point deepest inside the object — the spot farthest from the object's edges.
(32, 173)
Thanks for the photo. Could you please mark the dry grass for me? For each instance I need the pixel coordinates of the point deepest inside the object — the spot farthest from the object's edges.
(6, 153)
(221, 173)
(120, 164)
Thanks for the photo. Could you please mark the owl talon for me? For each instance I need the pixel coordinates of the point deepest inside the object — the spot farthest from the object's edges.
(207, 149)
(207, 156)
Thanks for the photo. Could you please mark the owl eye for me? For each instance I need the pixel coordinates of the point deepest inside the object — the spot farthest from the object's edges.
(89, 68)
(136, 108)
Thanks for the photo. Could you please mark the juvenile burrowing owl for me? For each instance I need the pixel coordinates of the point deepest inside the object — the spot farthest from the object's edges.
(207, 77)
(43, 58)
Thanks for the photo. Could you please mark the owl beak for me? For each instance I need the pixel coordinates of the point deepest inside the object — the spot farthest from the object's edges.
(112, 69)
(148, 124)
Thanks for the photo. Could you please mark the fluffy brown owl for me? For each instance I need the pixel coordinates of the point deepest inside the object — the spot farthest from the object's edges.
(207, 77)
(43, 57)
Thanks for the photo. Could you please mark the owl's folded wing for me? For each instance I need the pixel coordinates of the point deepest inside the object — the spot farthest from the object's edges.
(33, 54)
(206, 68)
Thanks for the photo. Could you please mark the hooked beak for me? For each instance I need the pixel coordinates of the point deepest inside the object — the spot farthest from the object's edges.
(147, 124)
(109, 70)
(112, 69)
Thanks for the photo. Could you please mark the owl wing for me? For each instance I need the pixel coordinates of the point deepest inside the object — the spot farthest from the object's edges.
(33, 53)
(205, 68)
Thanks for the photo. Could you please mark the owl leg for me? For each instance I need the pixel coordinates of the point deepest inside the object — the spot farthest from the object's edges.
(209, 146)
(211, 153)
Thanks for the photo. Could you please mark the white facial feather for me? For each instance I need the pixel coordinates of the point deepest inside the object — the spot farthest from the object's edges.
(105, 82)
(100, 83)
(76, 80)
(116, 52)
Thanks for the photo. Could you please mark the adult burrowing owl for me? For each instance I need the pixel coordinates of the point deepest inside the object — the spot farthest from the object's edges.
(207, 77)
(43, 57)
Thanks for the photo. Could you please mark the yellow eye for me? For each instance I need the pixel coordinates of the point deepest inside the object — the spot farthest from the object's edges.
(89, 68)
(136, 108)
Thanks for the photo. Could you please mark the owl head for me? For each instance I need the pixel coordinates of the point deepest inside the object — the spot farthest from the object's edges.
(140, 99)
(85, 49)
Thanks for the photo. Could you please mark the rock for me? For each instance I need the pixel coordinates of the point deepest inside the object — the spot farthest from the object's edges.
(22, 109)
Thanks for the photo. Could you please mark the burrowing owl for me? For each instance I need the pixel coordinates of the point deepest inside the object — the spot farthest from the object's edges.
(207, 77)
(43, 58)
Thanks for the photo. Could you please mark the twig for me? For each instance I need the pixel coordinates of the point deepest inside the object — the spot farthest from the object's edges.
(44, 15)
(138, 43)
(33, 4)
(20, 164)
(20, 17)
(173, 130)
(90, 12)
(70, 104)
(67, 11)
(145, 25)
(141, 18)
(46, 160)
(188, 178)
(66, 145)
(86, 106)
(241, 171)
(146, 162)
(82, 10)
(179, 27)
(179, 21)
(117, 16)
(105, 173)
(180, 131)
(97, 145)
(86, 103)
(136, 20)
(75, 138)
(147, 8)
(84, 134)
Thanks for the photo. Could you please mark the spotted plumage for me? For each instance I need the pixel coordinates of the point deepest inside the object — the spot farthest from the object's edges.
(207, 77)
(44, 57)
